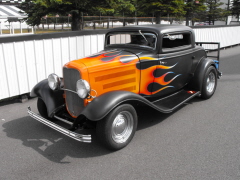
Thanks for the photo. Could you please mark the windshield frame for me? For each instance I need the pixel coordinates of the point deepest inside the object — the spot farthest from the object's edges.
(133, 45)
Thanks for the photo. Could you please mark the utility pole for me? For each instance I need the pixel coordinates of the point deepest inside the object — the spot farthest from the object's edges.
(189, 11)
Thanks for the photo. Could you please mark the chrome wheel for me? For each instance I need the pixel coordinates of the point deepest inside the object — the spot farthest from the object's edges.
(211, 82)
(117, 129)
(122, 127)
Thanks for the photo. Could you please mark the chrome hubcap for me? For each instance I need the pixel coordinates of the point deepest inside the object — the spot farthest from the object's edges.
(122, 127)
(211, 82)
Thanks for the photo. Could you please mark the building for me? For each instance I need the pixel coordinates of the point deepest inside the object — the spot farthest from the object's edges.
(11, 17)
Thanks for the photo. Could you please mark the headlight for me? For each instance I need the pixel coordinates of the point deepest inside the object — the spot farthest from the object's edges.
(83, 88)
(54, 81)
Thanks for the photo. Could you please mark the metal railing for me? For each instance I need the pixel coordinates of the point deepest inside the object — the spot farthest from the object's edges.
(211, 49)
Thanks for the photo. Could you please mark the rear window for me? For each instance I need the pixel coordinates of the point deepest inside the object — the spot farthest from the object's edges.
(176, 41)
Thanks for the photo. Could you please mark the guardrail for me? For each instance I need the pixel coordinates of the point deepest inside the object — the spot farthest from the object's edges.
(26, 60)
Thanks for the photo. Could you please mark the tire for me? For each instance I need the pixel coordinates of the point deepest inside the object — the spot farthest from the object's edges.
(42, 108)
(209, 83)
(117, 129)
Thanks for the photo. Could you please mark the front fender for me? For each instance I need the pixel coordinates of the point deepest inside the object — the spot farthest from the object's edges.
(102, 105)
(52, 99)
(197, 80)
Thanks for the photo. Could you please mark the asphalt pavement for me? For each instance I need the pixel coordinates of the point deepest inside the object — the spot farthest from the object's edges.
(199, 141)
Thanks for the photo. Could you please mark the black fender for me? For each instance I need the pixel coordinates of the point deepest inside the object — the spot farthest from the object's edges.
(197, 80)
(52, 99)
(102, 105)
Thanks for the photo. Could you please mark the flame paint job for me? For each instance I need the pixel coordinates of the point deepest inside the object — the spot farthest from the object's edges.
(162, 89)
(149, 77)
(120, 70)
(161, 80)
(111, 63)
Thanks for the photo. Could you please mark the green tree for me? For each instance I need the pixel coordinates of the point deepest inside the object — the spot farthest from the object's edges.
(194, 10)
(36, 9)
(235, 9)
(161, 8)
(123, 8)
(214, 11)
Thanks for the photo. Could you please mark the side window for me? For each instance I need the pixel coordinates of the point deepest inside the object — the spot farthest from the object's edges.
(176, 41)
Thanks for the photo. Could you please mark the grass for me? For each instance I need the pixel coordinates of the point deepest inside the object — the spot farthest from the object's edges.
(16, 31)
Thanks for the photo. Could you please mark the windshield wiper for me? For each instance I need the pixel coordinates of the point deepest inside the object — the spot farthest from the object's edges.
(143, 36)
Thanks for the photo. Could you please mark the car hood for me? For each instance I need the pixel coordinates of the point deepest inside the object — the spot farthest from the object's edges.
(107, 60)
(109, 70)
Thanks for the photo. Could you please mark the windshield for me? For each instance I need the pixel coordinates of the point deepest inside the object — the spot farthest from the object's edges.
(142, 39)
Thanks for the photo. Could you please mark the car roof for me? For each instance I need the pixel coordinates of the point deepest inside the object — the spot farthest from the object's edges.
(157, 28)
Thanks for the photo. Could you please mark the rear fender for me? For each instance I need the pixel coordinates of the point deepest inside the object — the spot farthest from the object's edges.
(52, 99)
(197, 80)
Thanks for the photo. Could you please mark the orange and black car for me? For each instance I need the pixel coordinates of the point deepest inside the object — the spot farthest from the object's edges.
(159, 66)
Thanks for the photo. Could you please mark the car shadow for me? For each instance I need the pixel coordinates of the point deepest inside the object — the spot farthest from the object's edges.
(49, 143)
(148, 117)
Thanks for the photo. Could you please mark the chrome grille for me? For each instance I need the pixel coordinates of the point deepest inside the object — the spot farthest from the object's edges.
(74, 103)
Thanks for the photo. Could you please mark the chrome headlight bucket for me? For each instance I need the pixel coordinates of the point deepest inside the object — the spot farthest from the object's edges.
(54, 81)
(82, 88)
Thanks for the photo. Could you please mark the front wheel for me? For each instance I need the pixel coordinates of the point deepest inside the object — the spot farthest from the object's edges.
(209, 83)
(117, 129)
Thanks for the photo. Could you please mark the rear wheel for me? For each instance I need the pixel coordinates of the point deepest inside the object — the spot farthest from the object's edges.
(42, 108)
(117, 129)
(209, 83)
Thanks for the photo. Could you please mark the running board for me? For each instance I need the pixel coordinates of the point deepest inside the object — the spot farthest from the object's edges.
(71, 134)
(172, 102)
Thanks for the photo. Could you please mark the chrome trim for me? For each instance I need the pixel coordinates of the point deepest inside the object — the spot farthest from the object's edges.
(89, 95)
(63, 120)
(71, 134)
(69, 90)
(57, 81)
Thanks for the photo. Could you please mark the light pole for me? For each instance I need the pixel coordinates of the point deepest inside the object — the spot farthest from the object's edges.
(45, 17)
(69, 15)
(57, 16)
(100, 19)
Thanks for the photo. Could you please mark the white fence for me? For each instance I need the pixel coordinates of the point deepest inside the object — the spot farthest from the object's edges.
(227, 36)
(24, 63)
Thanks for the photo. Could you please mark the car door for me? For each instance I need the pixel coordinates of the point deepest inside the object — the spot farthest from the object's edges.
(174, 65)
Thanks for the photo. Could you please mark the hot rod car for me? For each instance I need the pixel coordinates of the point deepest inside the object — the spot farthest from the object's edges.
(159, 66)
